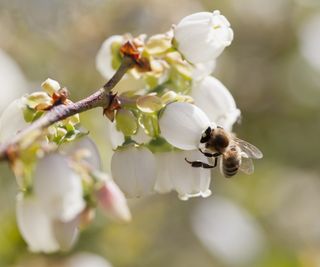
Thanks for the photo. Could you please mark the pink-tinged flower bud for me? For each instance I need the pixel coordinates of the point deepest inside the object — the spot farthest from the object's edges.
(113, 201)
(202, 36)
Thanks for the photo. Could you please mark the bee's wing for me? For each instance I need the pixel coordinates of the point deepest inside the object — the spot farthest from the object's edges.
(246, 165)
(250, 150)
(220, 163)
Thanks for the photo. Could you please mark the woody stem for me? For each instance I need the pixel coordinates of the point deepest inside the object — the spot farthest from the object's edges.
(100, 98)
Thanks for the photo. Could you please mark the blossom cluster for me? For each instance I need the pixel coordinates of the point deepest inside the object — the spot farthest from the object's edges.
(171, 105)
(59, 174)
(165, 103)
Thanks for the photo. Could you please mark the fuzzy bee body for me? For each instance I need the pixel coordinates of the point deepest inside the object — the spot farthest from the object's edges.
(235, 154)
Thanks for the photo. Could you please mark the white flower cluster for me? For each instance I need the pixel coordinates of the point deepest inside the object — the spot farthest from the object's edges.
(59, 190)
(164, 104)
(176, 101)
(51, 213)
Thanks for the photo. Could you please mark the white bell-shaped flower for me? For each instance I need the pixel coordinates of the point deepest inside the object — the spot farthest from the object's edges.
(182, 125)
(134, 171)
(12, 120)
(174, 173)
(35, 225)
(104, 58)
(216, 101)
(113, 201)
(202, 36)
(84, 259)
(58, 188)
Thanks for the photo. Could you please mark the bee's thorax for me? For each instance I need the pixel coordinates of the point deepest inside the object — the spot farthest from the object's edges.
(219, 141)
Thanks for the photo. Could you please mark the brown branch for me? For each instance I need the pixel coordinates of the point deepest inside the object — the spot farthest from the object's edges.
(101, 98)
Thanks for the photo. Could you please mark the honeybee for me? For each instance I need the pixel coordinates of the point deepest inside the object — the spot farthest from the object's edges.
(235, 154)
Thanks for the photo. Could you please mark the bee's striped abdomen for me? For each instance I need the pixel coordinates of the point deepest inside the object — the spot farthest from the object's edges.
(230, 166)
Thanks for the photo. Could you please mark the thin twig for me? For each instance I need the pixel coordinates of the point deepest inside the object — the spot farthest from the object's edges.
(101, 98)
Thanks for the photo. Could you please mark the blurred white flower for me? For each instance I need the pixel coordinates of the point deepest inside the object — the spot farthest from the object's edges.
(113, 201)
(66, 233)
(86, 149)
(309, 37)
(216, 101)
(228, 231)
(202, 36)
(12, 120)
(35, 226)
(12, 81)
(182, 125)
(58, 188)
(174, 173)
(85, 259)
(104, 59)
(134, 171)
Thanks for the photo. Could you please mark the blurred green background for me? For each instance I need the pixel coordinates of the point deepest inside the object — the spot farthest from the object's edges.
(271, 218)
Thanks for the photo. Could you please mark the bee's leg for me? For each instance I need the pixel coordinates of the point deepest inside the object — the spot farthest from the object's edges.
(210, 155)
(206, 135)
(215, 162)
(199, 164)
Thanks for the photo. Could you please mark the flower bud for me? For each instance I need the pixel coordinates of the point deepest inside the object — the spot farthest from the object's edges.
(113, 201)
(50, 86)
(202, 36)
